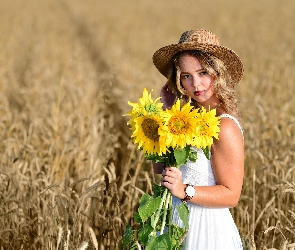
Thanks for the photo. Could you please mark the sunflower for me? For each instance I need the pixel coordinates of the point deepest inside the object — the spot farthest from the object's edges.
(146, 133)
(146, 104)
(208, 127)
(180, 126)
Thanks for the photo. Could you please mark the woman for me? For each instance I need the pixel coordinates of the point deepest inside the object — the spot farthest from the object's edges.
(199, 69)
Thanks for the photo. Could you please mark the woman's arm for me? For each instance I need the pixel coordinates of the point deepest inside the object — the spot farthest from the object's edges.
(167, 97)
(228, 166)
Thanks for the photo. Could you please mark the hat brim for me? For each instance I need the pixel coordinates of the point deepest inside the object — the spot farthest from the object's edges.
(163, 58)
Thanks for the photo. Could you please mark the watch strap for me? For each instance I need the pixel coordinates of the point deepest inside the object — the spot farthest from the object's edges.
(187, 197)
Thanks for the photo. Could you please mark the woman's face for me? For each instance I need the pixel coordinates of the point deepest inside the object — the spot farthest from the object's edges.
(194, 78)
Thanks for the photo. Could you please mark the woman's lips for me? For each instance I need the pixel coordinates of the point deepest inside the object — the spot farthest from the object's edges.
(198, 93)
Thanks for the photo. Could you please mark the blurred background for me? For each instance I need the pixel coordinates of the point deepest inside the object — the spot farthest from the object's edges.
(70, 175)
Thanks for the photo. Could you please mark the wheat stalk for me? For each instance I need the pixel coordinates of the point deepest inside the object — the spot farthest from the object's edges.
(93, 237)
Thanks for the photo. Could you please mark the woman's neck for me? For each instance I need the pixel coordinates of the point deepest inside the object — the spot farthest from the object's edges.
(212, 103)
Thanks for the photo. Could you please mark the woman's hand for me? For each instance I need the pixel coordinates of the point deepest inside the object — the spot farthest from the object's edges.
(168, 98)
(172, 179)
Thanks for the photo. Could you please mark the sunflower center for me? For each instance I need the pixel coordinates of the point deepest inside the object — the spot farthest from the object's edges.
(150, 129)
(178, 125)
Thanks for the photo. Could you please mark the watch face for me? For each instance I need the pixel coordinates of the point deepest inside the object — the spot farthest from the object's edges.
(190, 191)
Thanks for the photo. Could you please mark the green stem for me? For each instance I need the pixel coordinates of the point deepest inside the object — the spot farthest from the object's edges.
(170, 217)
(158, 213)
(167, 203)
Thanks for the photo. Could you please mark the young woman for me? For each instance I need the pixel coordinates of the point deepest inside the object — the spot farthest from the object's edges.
(199, 69)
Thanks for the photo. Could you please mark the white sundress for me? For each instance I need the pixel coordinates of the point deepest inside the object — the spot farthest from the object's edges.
(209, 228)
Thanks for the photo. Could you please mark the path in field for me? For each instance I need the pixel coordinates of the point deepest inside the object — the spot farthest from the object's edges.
(60, 114)
(53, 72)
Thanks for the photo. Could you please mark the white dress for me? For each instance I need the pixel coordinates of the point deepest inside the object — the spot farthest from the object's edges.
(209, 228)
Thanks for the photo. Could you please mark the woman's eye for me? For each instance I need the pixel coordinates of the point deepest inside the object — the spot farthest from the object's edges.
(185, 76)
(203, 73)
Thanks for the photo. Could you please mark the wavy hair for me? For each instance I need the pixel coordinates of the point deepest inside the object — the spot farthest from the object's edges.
(223, 86)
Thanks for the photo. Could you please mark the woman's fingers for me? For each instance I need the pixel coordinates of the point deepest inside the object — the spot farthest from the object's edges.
(168, 179)
(172, 171)
(172, 177)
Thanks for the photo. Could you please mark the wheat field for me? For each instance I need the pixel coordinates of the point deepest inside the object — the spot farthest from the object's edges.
(70, 177)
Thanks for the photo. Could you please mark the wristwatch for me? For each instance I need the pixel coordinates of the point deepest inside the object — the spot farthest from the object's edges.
(189, 191)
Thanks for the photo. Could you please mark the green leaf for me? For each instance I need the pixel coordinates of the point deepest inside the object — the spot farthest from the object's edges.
(158, 190)
(193, 155)
(181, 155)
(127, 238)
(148, 206)
(162, 242)
(207, 152)
(183, 214)
(144, 199)
(168, 158)
(151, 157)
(177, 233)
(144, 233)
(156, 158)
(137, 218)
(133, 246)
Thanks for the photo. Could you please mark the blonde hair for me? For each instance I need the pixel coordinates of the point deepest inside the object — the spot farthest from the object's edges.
(223, 85)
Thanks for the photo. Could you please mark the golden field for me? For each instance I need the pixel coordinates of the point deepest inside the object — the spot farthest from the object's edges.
(70, 177)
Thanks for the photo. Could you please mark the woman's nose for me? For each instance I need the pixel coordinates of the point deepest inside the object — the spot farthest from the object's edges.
(196, 81)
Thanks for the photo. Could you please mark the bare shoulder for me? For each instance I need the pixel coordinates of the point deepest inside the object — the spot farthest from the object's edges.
(230, 136)
(230, 130)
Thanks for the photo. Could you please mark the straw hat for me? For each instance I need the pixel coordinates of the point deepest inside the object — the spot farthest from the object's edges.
(202, 40)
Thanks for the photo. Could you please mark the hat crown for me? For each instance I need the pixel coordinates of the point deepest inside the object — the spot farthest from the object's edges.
(202, 40)
(199, 36)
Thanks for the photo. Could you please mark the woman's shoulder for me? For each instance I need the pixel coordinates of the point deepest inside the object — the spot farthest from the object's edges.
(230, 135)
(231, 117)
(230, 126)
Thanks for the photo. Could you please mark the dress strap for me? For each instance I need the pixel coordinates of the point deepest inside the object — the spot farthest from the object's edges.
(234, 119)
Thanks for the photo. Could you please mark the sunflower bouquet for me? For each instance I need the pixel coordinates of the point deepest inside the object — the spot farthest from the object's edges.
(168, 137)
